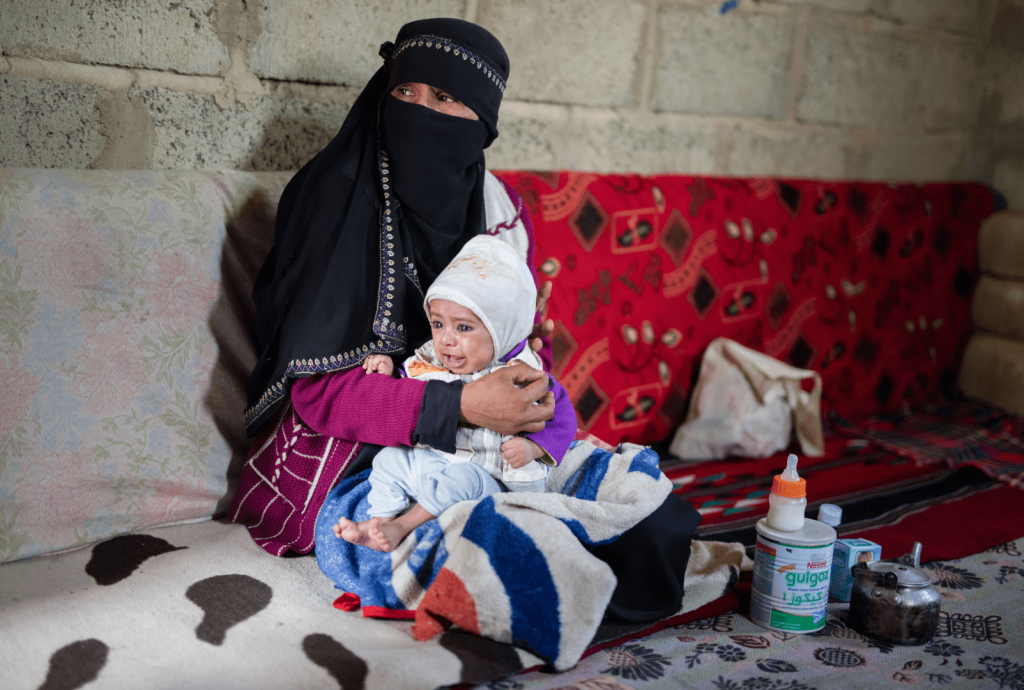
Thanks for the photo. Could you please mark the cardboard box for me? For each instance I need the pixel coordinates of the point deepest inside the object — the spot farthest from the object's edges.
(847, 553)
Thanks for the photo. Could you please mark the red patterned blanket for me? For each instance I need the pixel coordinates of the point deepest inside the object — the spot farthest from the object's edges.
(868, 283)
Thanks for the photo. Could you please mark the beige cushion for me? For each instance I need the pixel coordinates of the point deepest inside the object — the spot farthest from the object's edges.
(124, 347)
(999, 306)
(1001, 245)
(993, 370)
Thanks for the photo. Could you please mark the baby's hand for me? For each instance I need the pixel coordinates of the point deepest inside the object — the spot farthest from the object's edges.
(519, 451)
(381, 364)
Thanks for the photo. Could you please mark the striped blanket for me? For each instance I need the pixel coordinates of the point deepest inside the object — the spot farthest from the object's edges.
(513, 567)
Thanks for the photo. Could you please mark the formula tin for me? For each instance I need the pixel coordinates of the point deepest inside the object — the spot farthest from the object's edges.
(791, 577)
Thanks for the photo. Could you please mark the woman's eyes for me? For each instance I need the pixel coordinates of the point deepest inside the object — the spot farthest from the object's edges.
(433, 98)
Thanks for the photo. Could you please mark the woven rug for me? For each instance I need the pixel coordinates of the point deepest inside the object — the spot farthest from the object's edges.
(955, 432)
(979, 645)
(201, 606)
(893, 490)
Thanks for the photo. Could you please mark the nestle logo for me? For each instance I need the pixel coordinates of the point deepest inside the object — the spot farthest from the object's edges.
(816, 564)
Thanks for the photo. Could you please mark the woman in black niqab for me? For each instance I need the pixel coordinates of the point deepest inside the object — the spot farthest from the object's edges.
(362, 231)
(365, 226)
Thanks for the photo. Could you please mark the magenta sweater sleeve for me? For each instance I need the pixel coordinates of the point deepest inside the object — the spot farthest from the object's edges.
(356, 406)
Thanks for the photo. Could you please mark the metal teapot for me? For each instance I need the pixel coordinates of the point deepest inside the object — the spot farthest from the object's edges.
(894, 600)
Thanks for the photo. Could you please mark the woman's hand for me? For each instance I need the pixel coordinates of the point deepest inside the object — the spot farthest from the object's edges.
(503, 401)
(544, 328)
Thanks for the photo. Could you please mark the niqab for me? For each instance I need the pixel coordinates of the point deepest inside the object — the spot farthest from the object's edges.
(364, 228)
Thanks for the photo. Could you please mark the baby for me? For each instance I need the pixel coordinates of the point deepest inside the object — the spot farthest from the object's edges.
(481, 311)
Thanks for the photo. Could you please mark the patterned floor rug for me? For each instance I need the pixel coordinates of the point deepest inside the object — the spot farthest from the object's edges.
(979, 645)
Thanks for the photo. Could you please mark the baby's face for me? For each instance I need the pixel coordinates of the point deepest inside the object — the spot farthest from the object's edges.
(461, 340)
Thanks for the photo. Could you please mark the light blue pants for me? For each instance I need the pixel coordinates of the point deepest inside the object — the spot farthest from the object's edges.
(420, 474)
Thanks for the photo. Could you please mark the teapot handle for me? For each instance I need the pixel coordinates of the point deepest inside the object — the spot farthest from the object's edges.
(914, 557)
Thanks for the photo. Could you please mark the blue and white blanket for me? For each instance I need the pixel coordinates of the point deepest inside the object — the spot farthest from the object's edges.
(512, 567)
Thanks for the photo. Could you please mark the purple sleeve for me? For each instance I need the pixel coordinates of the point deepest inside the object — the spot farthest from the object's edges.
(561, 430)
(356, 406)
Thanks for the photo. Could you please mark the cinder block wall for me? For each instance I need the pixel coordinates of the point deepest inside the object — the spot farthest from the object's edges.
(870, 89)
(867, 89)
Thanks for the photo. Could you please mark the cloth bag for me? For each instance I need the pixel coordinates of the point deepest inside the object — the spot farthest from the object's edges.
(748, 404)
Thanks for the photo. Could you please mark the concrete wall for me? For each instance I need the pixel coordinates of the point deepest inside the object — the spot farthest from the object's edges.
(876, 89)
(1000, 128)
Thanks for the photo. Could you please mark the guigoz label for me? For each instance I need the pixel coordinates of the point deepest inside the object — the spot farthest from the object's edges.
(791, 585)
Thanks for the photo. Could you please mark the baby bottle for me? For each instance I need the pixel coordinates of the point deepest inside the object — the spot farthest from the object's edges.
(788, 499)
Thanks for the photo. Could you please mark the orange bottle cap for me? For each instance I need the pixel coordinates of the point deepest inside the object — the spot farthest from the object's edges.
(789, 489)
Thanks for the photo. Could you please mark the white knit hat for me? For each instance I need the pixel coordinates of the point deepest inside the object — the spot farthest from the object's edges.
(488, 278)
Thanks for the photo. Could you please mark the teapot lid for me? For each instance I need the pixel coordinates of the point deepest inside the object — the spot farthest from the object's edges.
(906, 575)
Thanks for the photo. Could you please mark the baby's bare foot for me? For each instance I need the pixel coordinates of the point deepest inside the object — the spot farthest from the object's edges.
(353, 532)
(385, 535)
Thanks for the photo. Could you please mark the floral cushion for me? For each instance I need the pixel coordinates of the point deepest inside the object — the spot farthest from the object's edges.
(123, 359)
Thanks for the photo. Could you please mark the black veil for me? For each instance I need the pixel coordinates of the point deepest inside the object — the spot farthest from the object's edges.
(365, 226)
